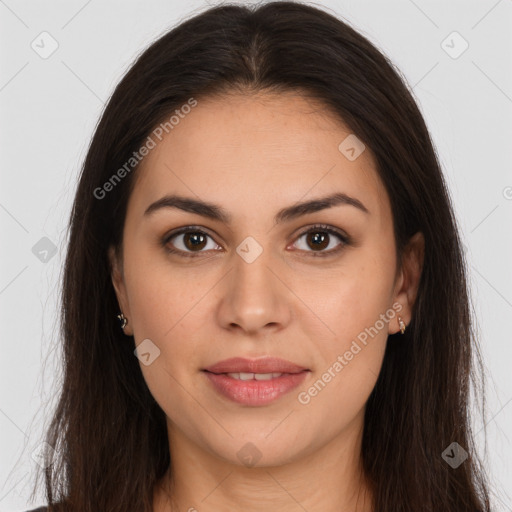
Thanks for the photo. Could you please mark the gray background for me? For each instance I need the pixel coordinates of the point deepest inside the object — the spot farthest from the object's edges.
(48, 110)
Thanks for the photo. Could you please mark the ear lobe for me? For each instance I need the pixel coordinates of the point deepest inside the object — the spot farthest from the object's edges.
(117, 276)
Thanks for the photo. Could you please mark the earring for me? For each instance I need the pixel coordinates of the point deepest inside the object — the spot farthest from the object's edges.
(123, 320)
(402, 324)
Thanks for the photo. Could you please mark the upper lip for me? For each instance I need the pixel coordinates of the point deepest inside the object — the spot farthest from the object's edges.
(262, 365)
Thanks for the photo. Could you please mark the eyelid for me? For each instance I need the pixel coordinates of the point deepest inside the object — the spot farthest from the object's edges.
(344, 238)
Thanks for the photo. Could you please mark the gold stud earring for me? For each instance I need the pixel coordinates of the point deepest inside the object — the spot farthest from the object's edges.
(402, 324)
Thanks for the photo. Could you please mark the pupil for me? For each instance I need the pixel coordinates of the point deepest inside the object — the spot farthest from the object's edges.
(196, 239)
(322, 239)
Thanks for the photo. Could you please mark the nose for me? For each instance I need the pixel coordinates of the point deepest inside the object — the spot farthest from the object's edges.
(255, 297)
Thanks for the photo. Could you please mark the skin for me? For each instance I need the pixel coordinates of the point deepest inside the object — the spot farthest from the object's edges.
(253, 155)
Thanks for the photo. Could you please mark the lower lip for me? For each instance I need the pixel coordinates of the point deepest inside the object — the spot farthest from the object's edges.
(255, 392)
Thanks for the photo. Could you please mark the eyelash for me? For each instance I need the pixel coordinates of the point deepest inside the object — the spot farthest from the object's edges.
(345, 240)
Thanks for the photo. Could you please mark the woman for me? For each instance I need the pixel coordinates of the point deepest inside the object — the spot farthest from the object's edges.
(262, 208)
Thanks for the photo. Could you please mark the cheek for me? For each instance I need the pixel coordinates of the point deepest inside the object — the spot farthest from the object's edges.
(349, 362)
(160, 295)
(351, 298)
(167, 309)
(354, 305)
(167, 317)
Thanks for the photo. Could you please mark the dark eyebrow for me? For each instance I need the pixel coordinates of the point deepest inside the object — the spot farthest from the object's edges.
(215, 212)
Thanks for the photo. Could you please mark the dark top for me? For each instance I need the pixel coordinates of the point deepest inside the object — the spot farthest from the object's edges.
(40, 509)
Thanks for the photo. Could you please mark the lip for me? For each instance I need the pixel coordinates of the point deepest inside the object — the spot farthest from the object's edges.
(261, 365)
(255, 392)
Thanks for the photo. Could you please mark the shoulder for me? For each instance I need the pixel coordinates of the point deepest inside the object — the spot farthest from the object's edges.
(40, 509)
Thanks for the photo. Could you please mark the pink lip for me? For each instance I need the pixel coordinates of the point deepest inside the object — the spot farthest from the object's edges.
(262, 365)
(255, 392)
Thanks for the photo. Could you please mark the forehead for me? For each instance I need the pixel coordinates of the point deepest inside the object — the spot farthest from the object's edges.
(257, 152)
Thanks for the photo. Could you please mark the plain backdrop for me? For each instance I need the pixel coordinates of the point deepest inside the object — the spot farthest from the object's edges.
(49, 106)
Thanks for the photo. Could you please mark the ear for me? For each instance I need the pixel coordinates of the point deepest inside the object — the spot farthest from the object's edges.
(117, 276)
(407, 284)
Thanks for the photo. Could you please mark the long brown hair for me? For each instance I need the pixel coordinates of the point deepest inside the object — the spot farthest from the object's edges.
(109, 433)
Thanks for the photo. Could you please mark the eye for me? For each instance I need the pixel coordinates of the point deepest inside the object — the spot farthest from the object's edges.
(189, 241)
(319, 237)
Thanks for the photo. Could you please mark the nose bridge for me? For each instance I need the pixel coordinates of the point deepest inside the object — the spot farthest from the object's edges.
(251, 267)
(252, 278)
(254, 297)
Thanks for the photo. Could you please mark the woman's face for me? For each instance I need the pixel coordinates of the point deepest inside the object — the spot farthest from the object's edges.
(243, 285)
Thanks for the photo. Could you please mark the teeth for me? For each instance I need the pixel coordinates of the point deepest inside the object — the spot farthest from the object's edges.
(257, 376)
(266, 376)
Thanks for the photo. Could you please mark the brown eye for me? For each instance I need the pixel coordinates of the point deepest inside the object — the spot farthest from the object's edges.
(188, 241)
(319, 238)
(194, 240)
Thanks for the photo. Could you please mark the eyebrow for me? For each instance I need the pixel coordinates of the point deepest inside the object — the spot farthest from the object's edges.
(216, 212)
